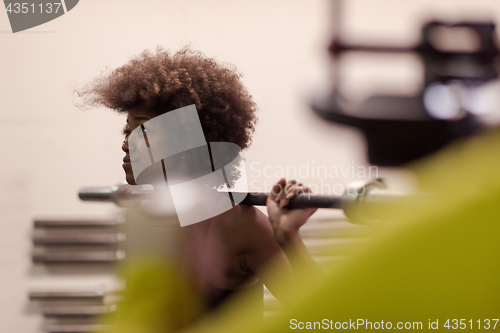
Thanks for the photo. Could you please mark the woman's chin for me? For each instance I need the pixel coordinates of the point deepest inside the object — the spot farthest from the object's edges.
(130, 179)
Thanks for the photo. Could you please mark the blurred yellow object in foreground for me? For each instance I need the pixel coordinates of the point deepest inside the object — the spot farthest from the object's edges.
(156, 299)
(437, 262)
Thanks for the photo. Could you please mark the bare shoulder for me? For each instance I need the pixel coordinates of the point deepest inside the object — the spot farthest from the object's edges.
(261, 244)
(245, 225)
(253, 217)
(259, 230)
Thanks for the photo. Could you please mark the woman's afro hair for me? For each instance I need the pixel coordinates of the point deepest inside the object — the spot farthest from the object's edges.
(158, 82)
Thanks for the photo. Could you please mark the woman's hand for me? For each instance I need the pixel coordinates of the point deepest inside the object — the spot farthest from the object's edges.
(287, 222)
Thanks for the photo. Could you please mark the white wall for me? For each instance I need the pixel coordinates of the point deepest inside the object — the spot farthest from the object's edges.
(49, 148)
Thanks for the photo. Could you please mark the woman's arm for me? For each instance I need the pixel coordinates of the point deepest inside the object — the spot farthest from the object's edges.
(287, 222)
(267, 260)
(280, 255)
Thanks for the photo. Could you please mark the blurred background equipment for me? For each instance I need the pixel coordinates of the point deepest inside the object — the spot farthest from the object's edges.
(460, 62)
(75, 248)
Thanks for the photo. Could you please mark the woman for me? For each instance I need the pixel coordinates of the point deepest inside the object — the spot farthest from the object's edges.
(226, 253)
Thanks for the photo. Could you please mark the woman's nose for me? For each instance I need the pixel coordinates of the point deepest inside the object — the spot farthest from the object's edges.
(125, 146)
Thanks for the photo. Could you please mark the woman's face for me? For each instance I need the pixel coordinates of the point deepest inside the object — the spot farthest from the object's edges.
(135, 119)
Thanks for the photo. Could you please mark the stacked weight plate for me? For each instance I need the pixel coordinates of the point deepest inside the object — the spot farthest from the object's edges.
(72, 253)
